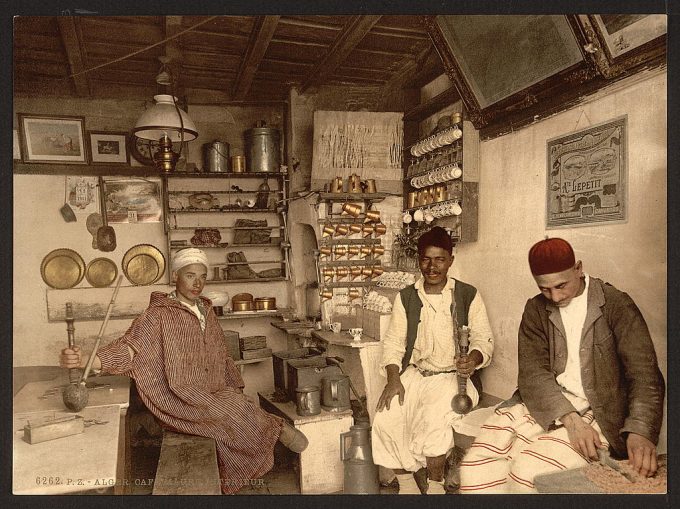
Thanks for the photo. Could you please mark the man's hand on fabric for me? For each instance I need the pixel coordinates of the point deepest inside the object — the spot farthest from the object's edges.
(392, 389)
(466, 366)
(641, 454)
(583, 437)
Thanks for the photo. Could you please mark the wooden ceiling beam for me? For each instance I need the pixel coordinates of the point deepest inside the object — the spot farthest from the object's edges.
(352, 34)
(260, 37)
(70, 36)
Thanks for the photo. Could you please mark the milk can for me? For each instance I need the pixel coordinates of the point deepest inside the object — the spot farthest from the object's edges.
(216, 157)
(263, 149)
(361, 474)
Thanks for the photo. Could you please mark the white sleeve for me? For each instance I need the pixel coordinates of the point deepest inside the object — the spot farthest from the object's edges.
(481, 338)
(394, 341)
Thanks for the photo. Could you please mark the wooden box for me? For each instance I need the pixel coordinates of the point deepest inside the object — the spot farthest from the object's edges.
(375, 324)
(303, 372)
(259, 353)
(253, 342)
(280, 365)
(42, 430)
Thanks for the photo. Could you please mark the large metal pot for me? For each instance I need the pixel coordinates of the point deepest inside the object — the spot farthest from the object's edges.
(216, 157)
(263, 149)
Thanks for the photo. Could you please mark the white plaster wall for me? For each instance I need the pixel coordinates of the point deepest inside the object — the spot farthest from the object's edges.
(631, 256)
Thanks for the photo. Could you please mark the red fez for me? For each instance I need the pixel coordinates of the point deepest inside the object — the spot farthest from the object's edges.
(550, 256)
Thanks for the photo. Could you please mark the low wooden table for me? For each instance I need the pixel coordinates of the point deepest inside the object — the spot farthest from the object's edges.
(321, 470)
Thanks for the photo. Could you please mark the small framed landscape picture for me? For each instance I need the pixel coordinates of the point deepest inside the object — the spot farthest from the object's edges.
(108, 147)
(52, 139)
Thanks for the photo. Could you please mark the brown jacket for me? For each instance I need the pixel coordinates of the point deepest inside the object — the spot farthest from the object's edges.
(619, 370)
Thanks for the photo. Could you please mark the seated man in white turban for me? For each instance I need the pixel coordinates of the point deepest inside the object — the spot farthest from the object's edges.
(176, 353)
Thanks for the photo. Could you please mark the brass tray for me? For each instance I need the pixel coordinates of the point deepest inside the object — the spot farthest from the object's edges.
(143, 264)
(62, 268)
(101, 272)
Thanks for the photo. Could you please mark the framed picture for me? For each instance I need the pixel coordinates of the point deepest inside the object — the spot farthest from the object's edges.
(132, 200)
(501, 64)
(620, 42)
(108, 147)
(587, 176)
(52, 139)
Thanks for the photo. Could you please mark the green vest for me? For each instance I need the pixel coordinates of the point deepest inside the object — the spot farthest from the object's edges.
(463, 295)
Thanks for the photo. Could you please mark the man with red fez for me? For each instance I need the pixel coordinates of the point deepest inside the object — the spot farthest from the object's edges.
(413, 427)
(588, 380)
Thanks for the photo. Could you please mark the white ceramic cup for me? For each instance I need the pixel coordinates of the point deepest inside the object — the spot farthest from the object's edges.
(335, 327)
(429, 217)
(456, 209)
(356, 332)
(418, 215)
(406, 218)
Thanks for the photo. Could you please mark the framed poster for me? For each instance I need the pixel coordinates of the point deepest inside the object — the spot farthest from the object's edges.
(52, 139)
(587, 176)
(133, 200)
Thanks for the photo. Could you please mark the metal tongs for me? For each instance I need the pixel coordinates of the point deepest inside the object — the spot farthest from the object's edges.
(608, 461)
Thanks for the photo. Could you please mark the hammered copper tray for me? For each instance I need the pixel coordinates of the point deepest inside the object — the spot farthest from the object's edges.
(62, 268)
(143, 264)
(101, 272)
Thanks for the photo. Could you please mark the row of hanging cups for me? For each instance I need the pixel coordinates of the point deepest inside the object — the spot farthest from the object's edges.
(352, 293)
(429, 214)
(354, 210)
(440, 139)
(351, 251)
(443, 174)
(339, 273)
(433, 194)
(355, 228)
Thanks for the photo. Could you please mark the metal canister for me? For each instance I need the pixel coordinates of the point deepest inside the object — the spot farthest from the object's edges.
(216, 157)
(360, 473)
(263, 149)
(238, 164)
(308, 400)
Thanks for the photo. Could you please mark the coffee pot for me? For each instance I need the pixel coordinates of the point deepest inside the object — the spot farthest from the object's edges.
(360, 473)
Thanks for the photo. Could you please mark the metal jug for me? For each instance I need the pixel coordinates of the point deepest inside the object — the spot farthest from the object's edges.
(361, 474)
(354, 183)
(335, 393)
(308, 400)
(216, 157)
(336, 185)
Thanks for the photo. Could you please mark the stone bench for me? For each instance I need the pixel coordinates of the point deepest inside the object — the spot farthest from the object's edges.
(187, 466)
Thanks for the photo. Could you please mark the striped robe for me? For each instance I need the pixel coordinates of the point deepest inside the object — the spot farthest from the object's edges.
(186, 379)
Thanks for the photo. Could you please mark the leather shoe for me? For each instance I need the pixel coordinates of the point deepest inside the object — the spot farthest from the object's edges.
(292, 438)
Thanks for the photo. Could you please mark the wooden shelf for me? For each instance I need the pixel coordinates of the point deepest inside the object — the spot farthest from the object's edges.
(225, 174)
(373, 262)
(352, 196)
(229, 246)
(435, 203)
(179, 228)
(253, 280)
(241, 362)
(253, 314)
(327, 241)
(84, 169)
(187, 192)
(221, 211)
(347, 284)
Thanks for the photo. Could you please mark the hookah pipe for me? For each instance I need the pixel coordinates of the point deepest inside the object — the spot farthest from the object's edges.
(75, 394)
(73, 373)
(461, 402)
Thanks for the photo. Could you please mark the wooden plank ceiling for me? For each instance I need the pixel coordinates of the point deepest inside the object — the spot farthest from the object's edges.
(218, 58)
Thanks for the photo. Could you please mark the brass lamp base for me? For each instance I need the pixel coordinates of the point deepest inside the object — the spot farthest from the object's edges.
(165, 159)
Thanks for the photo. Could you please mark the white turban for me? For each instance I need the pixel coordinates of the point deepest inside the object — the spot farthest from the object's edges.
(187, 256)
